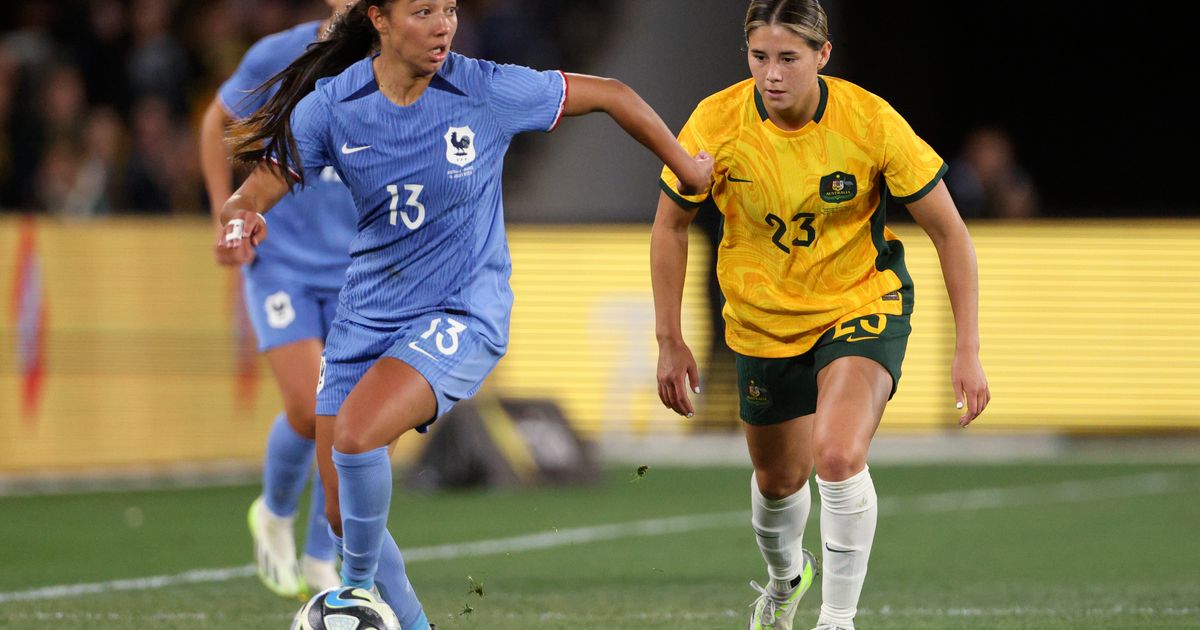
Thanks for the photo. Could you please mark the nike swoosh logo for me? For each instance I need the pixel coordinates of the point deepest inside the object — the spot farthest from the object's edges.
(853, 339)
(741, 181)
(828, 548)
(346, 150)
(334, 600)
(414, 346)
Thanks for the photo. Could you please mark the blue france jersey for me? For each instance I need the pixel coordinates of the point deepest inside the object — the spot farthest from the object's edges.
(426, 182)
(309, 230)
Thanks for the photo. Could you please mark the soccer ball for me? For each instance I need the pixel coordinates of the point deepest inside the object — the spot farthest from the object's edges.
(345, 608)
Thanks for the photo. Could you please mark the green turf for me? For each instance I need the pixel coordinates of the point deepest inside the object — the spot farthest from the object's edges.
(1126, 559)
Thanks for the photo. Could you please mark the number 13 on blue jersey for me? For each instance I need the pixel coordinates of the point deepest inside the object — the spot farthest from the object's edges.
(414, 191)
(446, 340)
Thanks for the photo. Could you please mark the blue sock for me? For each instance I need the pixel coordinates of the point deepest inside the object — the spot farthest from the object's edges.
(365, 489)
(393, 583)
(318, 543)
(395, 588)
(285, 471)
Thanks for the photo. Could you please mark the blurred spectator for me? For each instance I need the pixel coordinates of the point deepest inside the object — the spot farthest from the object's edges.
(986, 181)
(9, 78)
(63, 106)
(83, 186)
(102, 53)
(158, 65)
(147, 177)
(99, 98)
(30, 43)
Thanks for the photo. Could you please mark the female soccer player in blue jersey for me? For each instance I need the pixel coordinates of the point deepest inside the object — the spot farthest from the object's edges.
(290, 287)
(419, 135)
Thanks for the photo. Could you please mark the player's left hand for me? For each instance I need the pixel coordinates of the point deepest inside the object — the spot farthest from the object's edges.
(700, 177)
(675, 366)
(970, 385)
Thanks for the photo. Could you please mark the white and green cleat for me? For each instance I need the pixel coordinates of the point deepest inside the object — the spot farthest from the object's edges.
(275, 551)
(318, 575)
(771, 613)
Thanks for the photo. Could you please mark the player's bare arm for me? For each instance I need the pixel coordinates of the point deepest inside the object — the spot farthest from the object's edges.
(218, 179)
(668, 265)
(242, 214)
(936, 214)
(587, 94)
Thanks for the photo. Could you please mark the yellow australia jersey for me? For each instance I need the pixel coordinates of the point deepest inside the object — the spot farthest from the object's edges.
(804, 245)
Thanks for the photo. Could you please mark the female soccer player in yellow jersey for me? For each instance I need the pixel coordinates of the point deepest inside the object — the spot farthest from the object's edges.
(817, 295)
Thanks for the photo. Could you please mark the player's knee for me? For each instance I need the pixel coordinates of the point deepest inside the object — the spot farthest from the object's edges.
(303, 418)
(839, 462)
(775, 485)
(352, 437)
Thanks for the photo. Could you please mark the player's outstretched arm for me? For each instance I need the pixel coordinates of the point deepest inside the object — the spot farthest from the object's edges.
(242, 214)
(218, 179)
(668, 264)
(587, 94)
(936, 214)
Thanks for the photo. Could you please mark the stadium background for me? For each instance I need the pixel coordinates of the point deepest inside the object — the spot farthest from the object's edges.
(124, 354)
(124, 345)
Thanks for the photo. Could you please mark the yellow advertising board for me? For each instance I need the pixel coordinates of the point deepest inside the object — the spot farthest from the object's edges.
(1086, 326)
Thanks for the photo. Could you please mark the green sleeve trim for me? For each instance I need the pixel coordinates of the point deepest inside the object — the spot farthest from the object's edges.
(676, 197)
(920, 194)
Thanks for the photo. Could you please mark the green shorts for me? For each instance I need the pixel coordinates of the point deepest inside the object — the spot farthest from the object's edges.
(775, 390)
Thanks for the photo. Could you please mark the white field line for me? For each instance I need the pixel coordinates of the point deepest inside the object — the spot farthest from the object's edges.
(1118, 610)
(1017, 496)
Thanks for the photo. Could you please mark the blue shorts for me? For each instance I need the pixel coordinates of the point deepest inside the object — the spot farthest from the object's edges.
(286, 311)
(447, 349)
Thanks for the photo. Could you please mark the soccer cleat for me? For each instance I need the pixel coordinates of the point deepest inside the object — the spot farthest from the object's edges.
(318, 574)
(777, 614)
(830, 626)
(275, 551)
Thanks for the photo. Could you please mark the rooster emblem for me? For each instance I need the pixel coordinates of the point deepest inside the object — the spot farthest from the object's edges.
(460, 146)
(280, 313)
(459, 143)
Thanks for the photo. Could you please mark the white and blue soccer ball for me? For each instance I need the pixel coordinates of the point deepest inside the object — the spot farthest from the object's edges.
(345, 608)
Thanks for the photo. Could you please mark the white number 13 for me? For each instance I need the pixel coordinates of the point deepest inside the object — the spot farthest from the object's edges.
(447, 342)
(414, 191)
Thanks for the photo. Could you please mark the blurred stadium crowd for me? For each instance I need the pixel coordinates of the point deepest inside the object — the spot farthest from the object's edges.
(100, 99)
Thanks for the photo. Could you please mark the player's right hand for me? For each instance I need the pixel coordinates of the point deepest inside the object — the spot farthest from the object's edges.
(675, 364)
(700, 179)
(241, 234)
(230, 256)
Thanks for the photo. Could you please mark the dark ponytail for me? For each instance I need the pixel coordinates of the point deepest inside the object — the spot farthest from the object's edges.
(267, 134)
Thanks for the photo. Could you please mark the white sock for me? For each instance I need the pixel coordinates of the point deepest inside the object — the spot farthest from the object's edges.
(779, 527)
(849, 510)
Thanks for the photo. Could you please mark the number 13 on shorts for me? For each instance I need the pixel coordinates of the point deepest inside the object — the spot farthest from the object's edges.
(442, 335)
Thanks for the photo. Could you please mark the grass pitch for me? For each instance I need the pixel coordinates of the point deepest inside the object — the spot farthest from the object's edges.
(1020, 546)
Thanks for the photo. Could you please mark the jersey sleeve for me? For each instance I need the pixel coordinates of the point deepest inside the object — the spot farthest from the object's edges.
(311, 130)
(911, 167)
(524, 99)
(693, 142)
(254, 70)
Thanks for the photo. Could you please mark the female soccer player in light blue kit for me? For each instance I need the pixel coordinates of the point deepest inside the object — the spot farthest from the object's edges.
(291, 287)
(419, 136)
